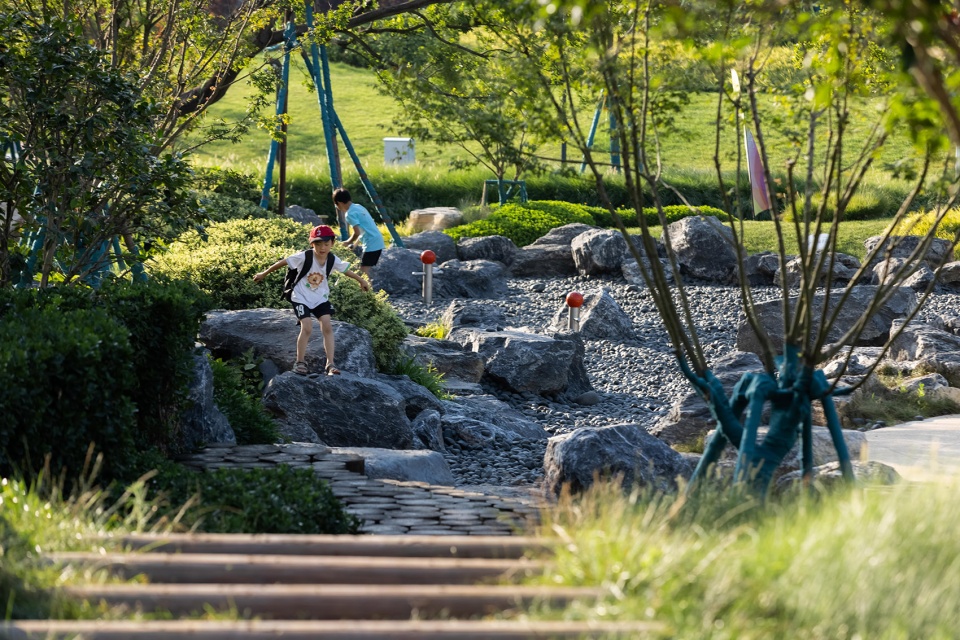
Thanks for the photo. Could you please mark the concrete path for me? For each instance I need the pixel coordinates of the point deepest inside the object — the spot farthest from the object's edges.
(922, 450)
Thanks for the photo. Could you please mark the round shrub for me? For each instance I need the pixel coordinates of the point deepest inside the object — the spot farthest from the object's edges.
(65, 382)
(371, 311)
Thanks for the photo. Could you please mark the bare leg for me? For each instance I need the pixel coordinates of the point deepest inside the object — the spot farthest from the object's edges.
(306, 328)
(328, 341)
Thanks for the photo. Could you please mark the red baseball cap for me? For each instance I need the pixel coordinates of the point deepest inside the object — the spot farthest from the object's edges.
(322, 231)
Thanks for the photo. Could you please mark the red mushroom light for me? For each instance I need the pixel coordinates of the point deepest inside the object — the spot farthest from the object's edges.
(574, 299)
(428, 257)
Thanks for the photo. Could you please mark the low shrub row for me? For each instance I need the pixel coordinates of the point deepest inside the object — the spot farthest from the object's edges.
(524, 223)
(405, 189)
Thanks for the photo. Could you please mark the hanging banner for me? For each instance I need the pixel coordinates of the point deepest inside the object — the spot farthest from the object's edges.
(758, 184)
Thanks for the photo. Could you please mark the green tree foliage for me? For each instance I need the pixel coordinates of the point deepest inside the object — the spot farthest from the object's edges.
(460, 87)
(80, 169)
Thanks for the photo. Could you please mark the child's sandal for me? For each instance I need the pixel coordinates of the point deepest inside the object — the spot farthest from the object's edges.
(332, 370)
(301, 368)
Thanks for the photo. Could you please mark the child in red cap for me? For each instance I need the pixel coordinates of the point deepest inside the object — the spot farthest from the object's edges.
(311, 293)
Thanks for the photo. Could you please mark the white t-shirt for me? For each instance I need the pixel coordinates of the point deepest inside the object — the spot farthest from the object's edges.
(313, 289)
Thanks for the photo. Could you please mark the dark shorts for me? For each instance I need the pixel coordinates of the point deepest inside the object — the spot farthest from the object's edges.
(302, 311)
(370, 258)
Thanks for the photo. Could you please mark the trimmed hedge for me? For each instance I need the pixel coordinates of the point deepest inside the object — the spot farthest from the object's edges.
(66, 380)
(523, 223)
(602, 217)
(110, 367)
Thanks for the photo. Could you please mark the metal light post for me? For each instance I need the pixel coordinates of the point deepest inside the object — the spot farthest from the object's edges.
(428, 258)
(574, 302)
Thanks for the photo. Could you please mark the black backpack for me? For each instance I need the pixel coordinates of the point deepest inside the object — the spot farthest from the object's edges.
(294, 276)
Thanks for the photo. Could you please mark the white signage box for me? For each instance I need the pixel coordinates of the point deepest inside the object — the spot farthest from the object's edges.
(398, 151)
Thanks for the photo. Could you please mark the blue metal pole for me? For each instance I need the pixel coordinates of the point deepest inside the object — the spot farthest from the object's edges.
(367, 185)
(593, 130)
(614, 143)
(325, 118)
(288, 34)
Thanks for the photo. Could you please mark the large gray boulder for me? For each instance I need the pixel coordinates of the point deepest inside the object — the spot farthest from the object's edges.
(203, 423)
(417, 398)
(428, 431)
(405, 466)
(844, 269)
(689, 418)
(474, 315)
(704, 249)
(343, 411)
(903, 247)
(875, 333)
(601, 318)
(762, 268)
(528, 363)
(435, 218)
(395, 270)
(272, 334)
(303, 215)
(446, 356)
(632, 274)
(625, 450)
(436, 241)
(474, 279)
(598, 251)
(920, 341)
(550, 255)
(496, 248)
(562, 235)
(544, 261)
(914, 275)
(830, 475)
(502, 422)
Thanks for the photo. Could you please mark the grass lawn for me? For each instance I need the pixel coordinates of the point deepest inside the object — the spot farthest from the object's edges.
(368, 117)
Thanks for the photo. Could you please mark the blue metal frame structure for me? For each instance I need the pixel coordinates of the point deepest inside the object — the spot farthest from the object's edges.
(34, 241)
(614, 141)
(318, 65)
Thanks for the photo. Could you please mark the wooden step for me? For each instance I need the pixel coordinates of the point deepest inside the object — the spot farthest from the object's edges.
(336, 545)
(326, 630)
(266, 569)
(330, 602)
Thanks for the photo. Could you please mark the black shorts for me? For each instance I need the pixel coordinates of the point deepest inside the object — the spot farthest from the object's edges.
(370, 258)
(302, 311)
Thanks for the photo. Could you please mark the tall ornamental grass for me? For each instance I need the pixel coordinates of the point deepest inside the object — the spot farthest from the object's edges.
(864, 562)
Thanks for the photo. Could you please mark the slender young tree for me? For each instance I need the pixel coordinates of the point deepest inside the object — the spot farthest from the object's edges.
(835, 46)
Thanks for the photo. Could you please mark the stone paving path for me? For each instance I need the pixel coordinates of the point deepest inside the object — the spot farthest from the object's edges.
(923, 450)
(388, 506)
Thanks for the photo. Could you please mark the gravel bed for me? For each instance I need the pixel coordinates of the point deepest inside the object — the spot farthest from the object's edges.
(637, 381)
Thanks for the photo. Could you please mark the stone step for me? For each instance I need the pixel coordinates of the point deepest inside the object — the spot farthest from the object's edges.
(326, 630)
(329, 602)
(266, 569)
(409, 546)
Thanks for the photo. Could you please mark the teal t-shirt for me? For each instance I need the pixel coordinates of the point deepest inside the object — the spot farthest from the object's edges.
(370, 239)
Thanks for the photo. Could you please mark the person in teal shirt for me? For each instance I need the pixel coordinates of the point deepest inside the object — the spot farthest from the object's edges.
(365, 231)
